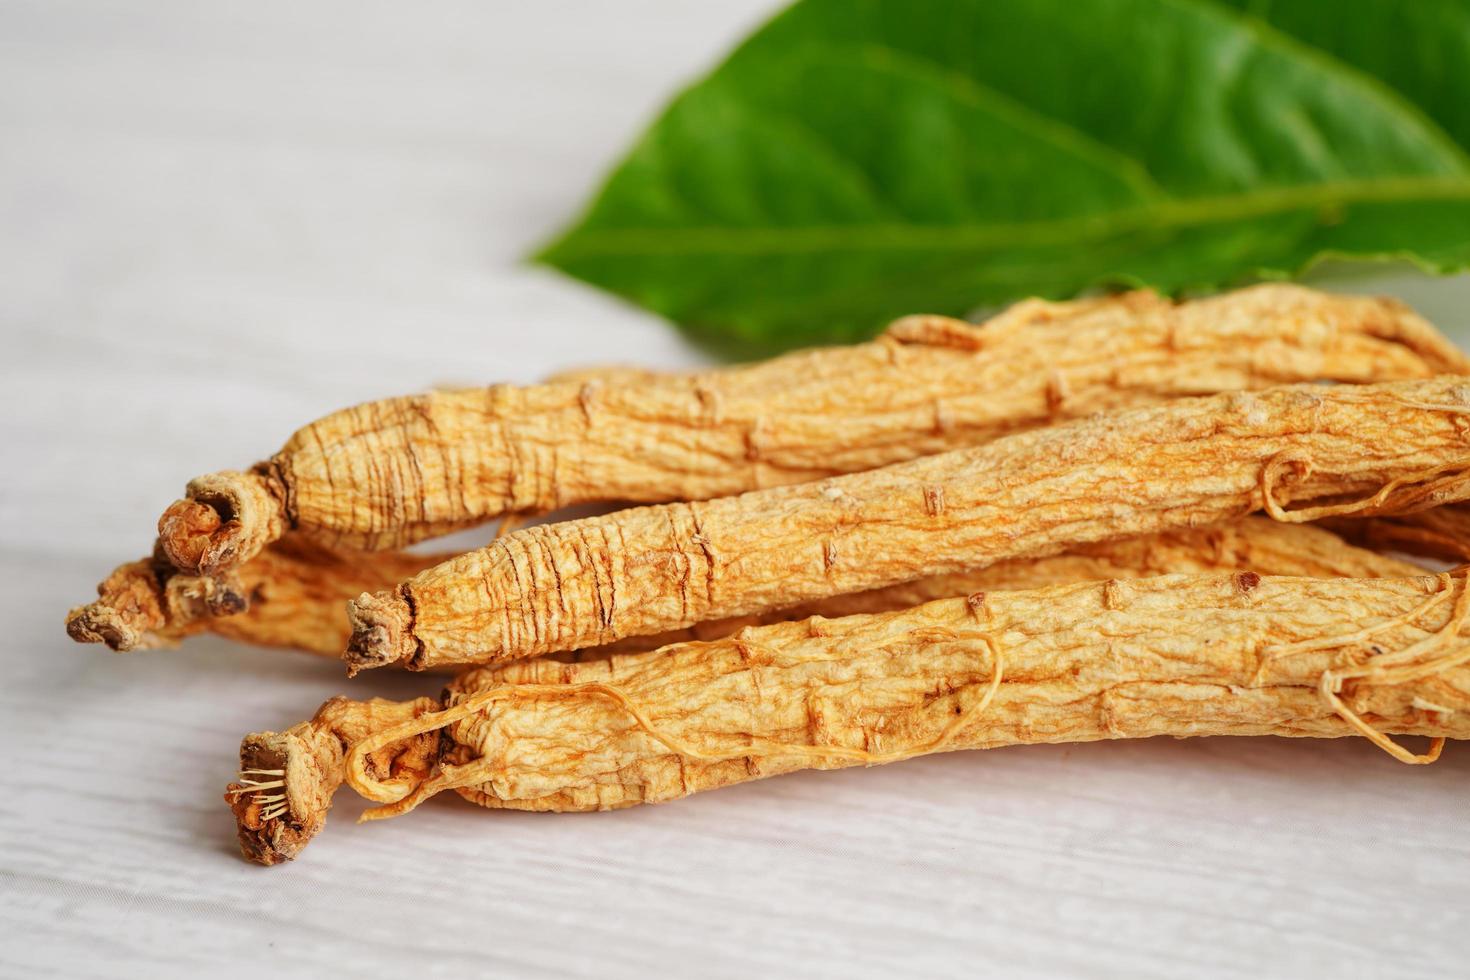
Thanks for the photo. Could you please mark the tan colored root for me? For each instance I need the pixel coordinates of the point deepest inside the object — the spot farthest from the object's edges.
(1253, 544)
(1184, 464)
(391, 472)
(1169, 655)
(146, 604)
(284, 789)
(1443, 533)
(225, 519)
(292, 594)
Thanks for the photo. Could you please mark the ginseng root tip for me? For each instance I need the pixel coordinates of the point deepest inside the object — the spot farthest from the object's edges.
(128, 612)
(96, 623)
(382, 631)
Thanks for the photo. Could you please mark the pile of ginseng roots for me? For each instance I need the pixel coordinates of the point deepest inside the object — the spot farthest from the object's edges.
(1113, 518)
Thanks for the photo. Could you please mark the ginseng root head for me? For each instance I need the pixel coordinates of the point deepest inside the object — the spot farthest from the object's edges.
(382, 632)
(283, 791)
(223, 520)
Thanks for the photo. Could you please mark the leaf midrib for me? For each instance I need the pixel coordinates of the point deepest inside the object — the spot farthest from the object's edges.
(1162, 213)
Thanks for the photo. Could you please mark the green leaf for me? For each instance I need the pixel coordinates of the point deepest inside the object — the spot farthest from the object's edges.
(854, 161)
(1420, 48)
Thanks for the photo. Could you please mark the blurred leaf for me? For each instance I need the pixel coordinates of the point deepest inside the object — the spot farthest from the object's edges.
(855, 161)
(1420, 49)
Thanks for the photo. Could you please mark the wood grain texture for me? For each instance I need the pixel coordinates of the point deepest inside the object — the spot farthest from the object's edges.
(221, 221)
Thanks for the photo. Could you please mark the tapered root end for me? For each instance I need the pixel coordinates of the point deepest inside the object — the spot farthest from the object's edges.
(283, 792)
(382, 632)
(147, 604)
(128, 613)
(224, 520)
(97, 623)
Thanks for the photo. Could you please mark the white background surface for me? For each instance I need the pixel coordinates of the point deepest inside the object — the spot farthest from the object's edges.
(220, 220)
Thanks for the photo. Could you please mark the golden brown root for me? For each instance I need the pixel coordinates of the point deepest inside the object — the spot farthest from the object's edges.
(284, 789)
(277, 817)
(1188, 463)
(1442, 533)
(299, 593)
(1218, 654)
(1254, 544)
(389, 473)
(293, 594)
(130, 611)
(224, 519)
(1171, 655)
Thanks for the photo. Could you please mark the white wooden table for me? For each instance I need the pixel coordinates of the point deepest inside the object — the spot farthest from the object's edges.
(220, 220)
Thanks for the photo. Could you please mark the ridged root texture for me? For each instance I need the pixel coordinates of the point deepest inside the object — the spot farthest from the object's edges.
(293, 594)
(1173, 655)
(395, 471)
(1296, 452)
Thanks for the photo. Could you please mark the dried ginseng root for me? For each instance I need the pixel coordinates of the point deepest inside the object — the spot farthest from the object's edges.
(388, 473)
(1370, 449)
(1250, 544)
(292, 594)
(1442, 533)
(287, 779)
(1220, 654)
